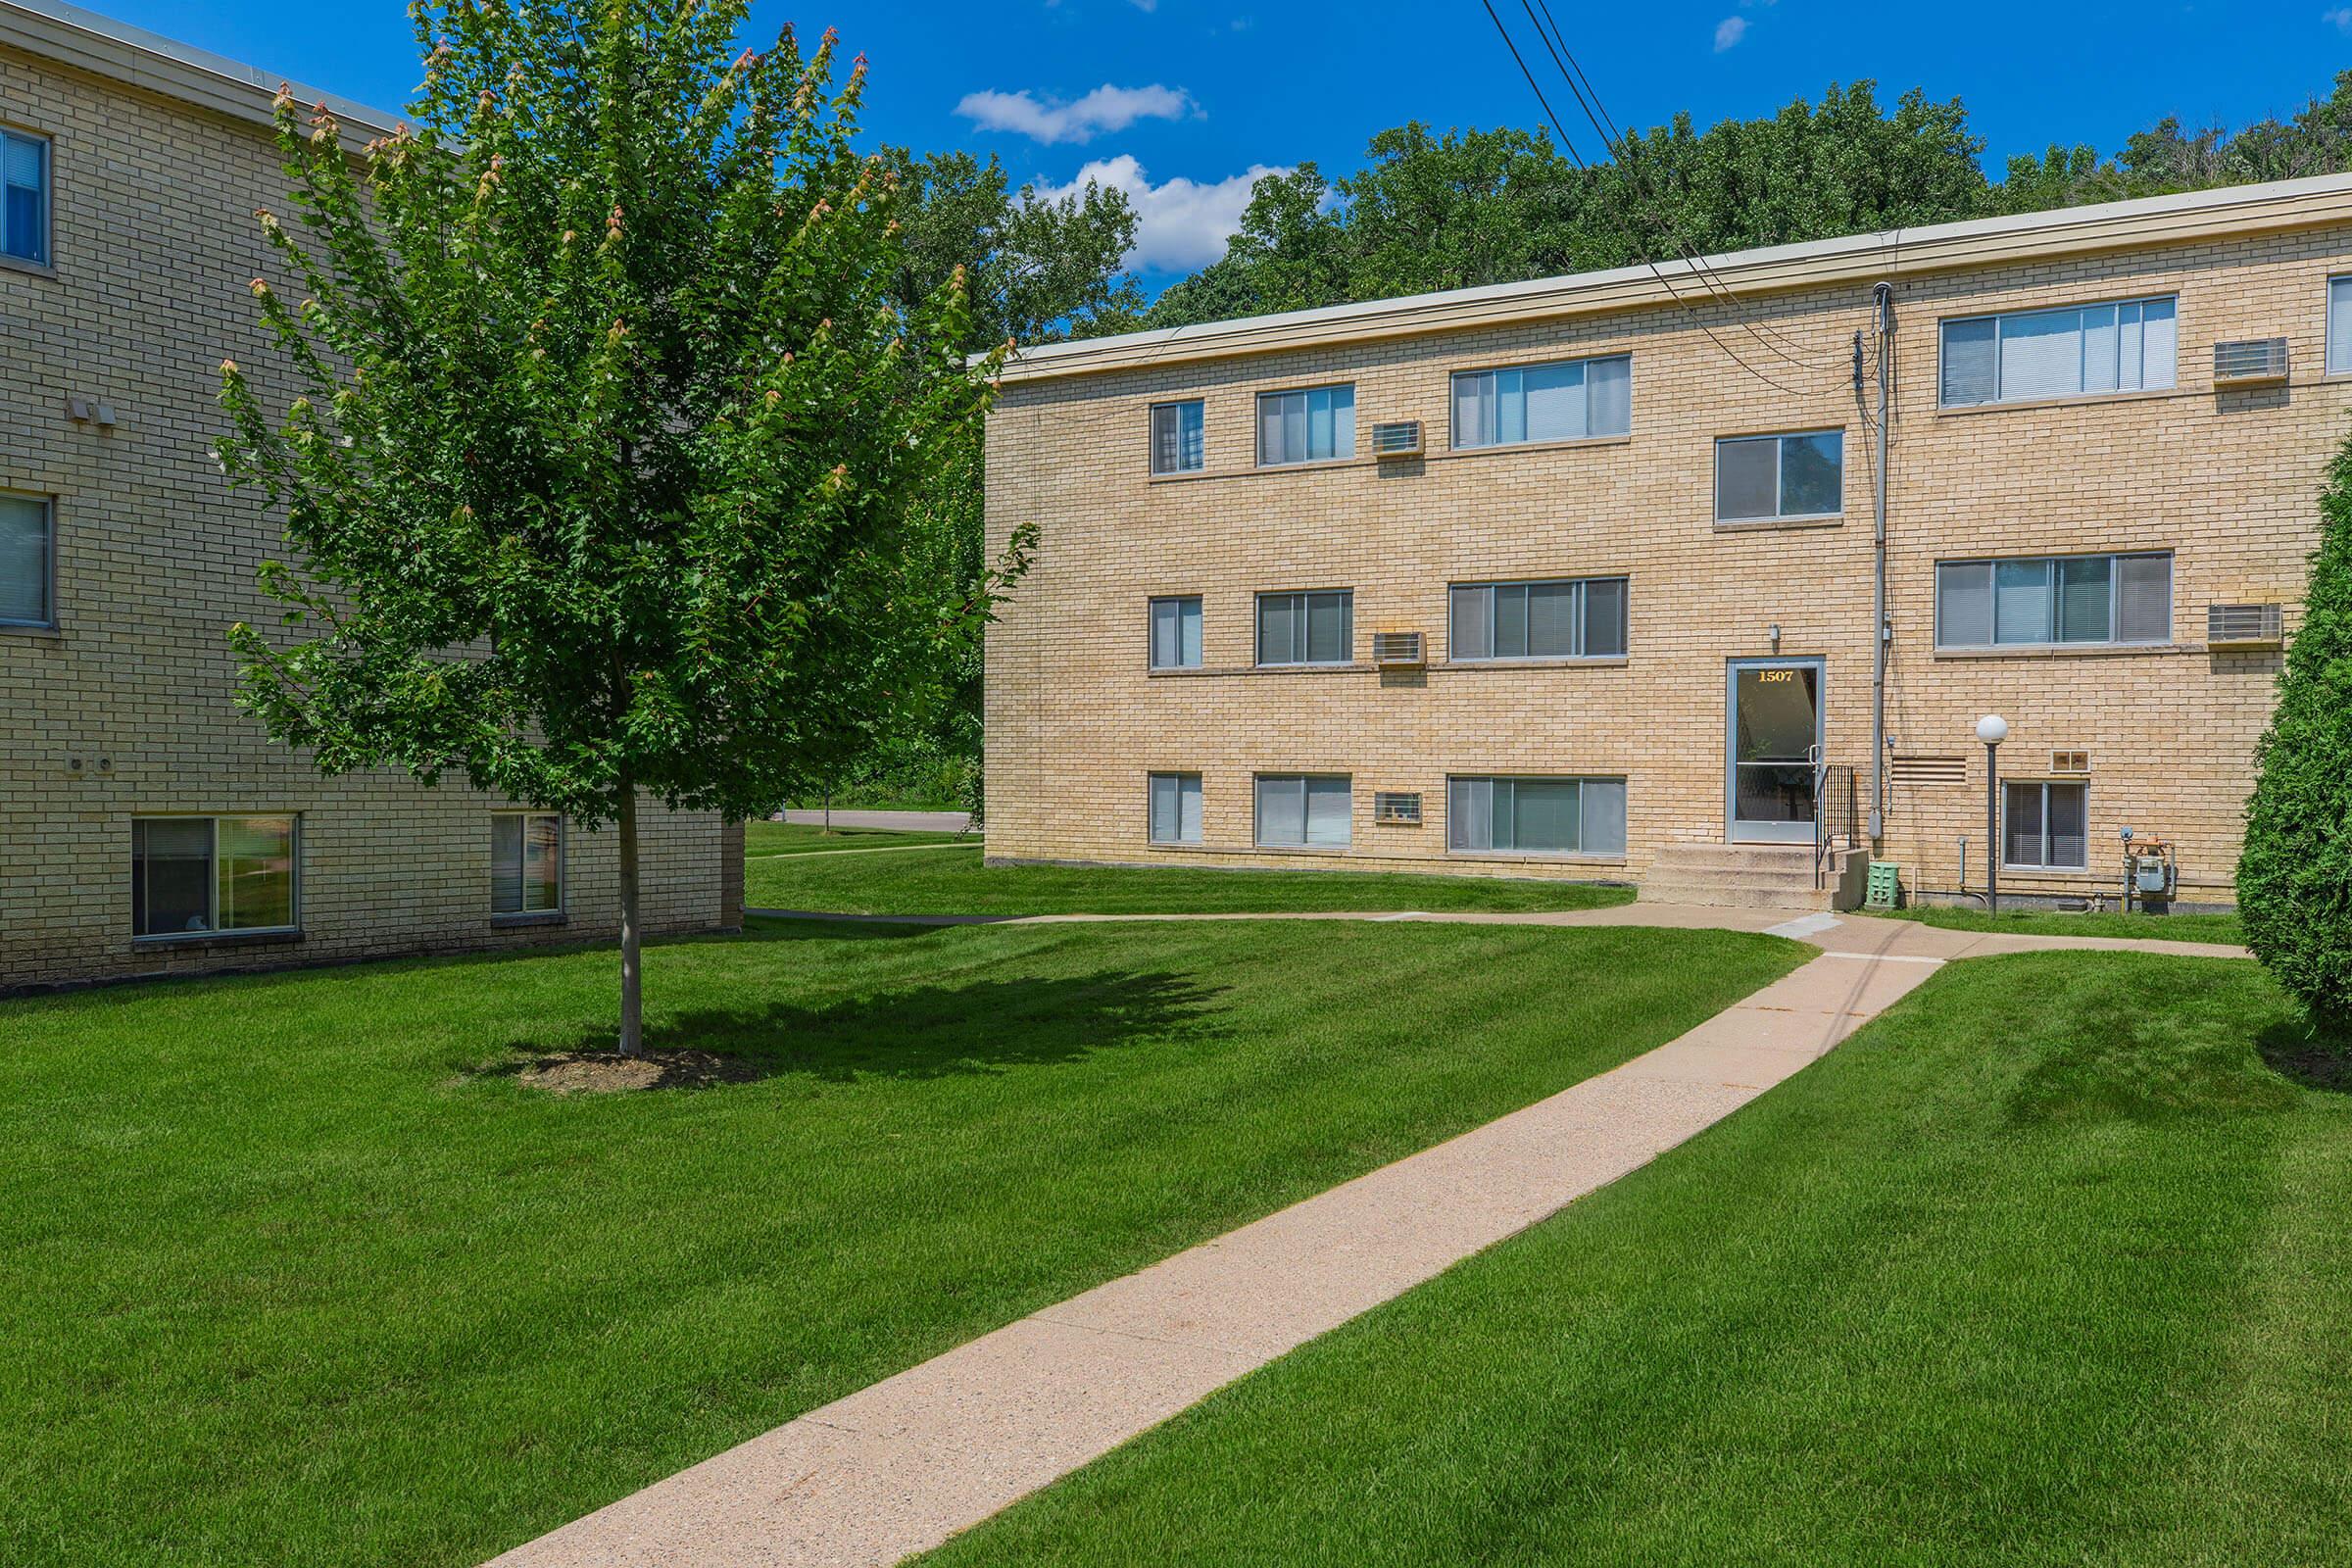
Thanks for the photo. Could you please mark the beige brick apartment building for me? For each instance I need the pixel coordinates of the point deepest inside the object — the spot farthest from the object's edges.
(146, 824)
(1633, 531)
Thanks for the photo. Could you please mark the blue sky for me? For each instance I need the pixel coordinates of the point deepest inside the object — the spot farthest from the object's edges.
(1179, 101)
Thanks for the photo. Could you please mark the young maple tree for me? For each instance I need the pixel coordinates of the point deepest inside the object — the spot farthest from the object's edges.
(601, 444)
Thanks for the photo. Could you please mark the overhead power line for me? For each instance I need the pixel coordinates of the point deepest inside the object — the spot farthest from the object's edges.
(1566, 140)
(1604, 124)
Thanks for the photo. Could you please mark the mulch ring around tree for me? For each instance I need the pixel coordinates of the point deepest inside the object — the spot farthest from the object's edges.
(608, 1073)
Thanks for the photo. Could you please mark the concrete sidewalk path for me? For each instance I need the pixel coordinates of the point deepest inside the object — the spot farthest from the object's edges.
(900, 1466)
(1852, 934)
(887, 822)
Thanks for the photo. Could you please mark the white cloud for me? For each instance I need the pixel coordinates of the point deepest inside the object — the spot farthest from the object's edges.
(2341, 15)
(1180, 224)
(1729, 31)
(1106, 108)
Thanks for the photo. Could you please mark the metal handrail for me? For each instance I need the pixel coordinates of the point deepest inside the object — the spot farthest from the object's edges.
(1835, 815)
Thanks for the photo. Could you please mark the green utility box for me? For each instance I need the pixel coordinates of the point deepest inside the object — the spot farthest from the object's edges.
(1886, 885)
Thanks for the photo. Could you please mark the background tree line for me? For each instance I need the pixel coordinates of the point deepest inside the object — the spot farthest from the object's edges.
(1460, 209)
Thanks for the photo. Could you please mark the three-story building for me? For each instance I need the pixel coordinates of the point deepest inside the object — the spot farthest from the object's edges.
(147, 824)
(1581, 577)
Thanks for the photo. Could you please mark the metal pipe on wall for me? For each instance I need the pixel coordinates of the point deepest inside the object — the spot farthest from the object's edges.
(1882, 296)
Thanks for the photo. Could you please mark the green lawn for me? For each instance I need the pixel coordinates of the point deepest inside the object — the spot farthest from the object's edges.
(2217, 927)
(2049, 1265)
(291, 1278)
(956, 882)
(801, 838)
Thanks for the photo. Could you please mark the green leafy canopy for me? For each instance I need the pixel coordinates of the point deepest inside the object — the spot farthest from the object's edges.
(603, 440)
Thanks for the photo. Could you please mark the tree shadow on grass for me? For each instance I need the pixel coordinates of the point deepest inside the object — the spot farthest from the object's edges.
(922, 1031)
(2308, 1053)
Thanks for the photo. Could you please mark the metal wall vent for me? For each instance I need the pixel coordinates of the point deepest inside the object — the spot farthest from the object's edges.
(1918, 771)
(1396, 809)
(2252, 361)
(2244, 625)
(1401, 438)
(1400, 649)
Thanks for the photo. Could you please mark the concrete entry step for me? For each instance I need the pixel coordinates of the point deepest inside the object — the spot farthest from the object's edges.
(1716, 895)
(1754, 876)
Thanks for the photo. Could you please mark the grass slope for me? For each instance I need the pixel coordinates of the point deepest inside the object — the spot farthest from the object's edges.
(292, 1280)
(2046, 1266)
(956, 882)
(2221, 926)
(803, 838)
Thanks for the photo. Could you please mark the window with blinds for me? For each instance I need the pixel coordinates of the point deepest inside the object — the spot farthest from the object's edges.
(1304, 811)
(206, 875)
(2054, 601)
(1536, 816)
(1772, 477)
(527, 862)
(1577, 618)
(1317, 425)
(2043, 826)
(1179, 443)
(1570, 401)
(1309, 628)
(1175, 815)
(1176, 634)
(27, 562)
(25, 197)
(2128, 346)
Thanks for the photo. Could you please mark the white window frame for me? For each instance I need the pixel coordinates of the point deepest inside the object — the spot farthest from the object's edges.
(2115, 600)
(1582, 621)
(1780, 440)
(1152, 631)
(1257, 629)
(212, 880)
(1199, 808)
(2045, 785)
(2334, 363)
(1151, 437)
(523, 869)
(1257, 826)
(1258, 433)
(48, 223)
(48, 506)
(1582, 851)
(1453, 401)
(1945, 326)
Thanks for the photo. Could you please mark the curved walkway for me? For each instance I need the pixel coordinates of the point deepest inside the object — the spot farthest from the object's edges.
(899, 1467)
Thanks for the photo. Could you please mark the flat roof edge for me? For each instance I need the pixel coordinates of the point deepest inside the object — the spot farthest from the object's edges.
(2177, 219)
(50, 29)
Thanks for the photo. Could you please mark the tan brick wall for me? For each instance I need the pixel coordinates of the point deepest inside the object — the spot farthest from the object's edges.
(2226, 481)
(154, 242)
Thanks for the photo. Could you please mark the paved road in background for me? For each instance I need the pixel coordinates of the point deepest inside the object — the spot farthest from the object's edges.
(903, 821)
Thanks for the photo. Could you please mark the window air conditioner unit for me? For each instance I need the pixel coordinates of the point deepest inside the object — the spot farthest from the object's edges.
(2244, 625)
(2255, 362)
(1396, 809)
(1400, 439)
(1399, 650)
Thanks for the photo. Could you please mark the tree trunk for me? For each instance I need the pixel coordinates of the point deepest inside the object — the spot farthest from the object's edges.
(632, 979)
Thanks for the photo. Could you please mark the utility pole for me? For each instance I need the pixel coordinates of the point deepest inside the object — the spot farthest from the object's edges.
(1882, 297)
